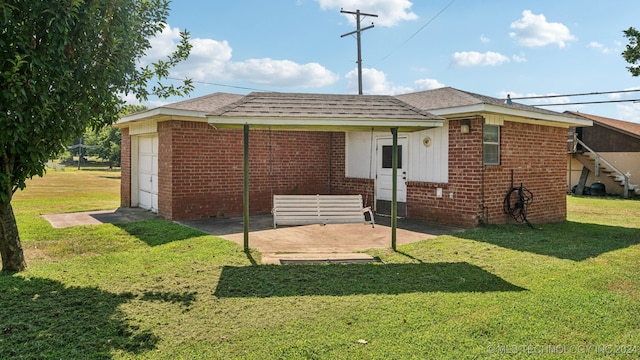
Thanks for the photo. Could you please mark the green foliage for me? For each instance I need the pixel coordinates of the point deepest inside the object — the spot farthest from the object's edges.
(106, 142)
(631, 54)
(63, 67)
(64, 64)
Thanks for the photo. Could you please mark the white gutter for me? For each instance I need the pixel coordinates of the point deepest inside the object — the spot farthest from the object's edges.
(335, 124)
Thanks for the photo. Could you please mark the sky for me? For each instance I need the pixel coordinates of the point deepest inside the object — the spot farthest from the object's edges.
(491, 47)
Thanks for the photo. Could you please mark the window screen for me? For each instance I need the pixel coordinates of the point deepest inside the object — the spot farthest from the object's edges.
(491, 144)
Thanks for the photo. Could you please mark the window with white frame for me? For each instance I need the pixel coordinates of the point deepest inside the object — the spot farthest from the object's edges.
(491, 144)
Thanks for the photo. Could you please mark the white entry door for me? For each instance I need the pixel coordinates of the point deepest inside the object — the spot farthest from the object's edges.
(148, 172)
(384, 148)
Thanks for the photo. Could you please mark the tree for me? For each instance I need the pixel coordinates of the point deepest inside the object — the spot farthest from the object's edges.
(63, 67)
(105, 142)
(631, 54)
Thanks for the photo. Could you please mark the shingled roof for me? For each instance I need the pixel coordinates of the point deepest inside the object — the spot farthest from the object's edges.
(629, 128)
(296, 106)
(323, 112)
(449, 101)
(208, 103)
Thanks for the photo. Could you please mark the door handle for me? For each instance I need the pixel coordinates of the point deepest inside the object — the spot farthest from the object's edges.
(404, 175)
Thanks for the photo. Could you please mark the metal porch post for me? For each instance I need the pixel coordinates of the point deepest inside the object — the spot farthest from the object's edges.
(245, 203)
(394, 188)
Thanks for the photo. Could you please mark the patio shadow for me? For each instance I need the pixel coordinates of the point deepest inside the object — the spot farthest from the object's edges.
(356, 279)
(157, 232)
(568, 240)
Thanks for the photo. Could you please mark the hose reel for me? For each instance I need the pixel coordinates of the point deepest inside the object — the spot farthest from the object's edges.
(517, 202)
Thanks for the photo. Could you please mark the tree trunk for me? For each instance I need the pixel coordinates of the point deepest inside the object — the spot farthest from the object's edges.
(10, 247)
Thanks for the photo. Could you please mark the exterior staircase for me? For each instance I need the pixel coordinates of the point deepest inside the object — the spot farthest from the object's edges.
(613, 178)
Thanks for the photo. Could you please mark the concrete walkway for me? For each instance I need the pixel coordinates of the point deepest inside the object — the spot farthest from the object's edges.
(120, 215)
(286, 244)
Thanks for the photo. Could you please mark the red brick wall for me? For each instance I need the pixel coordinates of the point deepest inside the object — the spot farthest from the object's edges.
(125, 167)
(535, 154)
(203, 168)
(200, 172)
(165, 169)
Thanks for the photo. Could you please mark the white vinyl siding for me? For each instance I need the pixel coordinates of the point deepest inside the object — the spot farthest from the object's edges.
(429, 164)
(425, 164)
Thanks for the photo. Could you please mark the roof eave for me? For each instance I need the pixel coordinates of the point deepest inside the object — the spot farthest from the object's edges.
(324, 124)
(494, 109)
(160, 114)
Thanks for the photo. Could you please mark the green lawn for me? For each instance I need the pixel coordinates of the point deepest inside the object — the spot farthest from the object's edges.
(157, 290)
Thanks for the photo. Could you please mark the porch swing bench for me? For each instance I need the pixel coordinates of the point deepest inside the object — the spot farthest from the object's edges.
(319, 209)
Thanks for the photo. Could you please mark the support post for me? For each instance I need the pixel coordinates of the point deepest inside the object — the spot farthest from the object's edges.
(245, 203)
(394, 187)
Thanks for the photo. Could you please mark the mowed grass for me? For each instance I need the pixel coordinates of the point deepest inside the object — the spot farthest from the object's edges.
(157, 290)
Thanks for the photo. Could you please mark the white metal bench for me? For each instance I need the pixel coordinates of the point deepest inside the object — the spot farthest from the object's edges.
(319, 209)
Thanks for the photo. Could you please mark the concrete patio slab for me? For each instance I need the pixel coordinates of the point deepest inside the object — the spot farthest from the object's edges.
(328, 243)
(331, 243)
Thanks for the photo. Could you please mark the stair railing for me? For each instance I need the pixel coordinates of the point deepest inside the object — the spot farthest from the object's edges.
(598, 159)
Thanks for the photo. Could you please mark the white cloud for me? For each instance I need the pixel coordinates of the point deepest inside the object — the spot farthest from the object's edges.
(129, 98)
(484, 39)
(375, 82)
(474, 58)
(629, 112)
(282, 73)
(427, 84)
(598, 46)
(520, 58)
(390, 12)
(211, 60)
(207, 61)
(162, 45)
(534, 31)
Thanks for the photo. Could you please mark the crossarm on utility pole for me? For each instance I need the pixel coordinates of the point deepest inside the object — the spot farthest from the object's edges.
(358, 30)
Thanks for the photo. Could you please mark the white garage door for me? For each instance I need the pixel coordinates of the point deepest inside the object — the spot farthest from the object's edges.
(148, 172)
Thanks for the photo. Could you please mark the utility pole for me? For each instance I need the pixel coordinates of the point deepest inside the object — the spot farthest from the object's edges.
(358, 30)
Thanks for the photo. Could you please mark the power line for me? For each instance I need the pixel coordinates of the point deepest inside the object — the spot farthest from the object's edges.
(589, 102)
(222, 85)
(416, 33)
(567, 95)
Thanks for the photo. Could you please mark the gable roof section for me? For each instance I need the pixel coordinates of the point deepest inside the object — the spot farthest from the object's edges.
(450, 102)
(323, 112)
(192, 109)
(626, 127)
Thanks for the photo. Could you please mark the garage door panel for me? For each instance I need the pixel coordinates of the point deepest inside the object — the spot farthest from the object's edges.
(148, 172)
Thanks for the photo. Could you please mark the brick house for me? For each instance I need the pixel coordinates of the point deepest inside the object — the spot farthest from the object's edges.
(459, 154)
